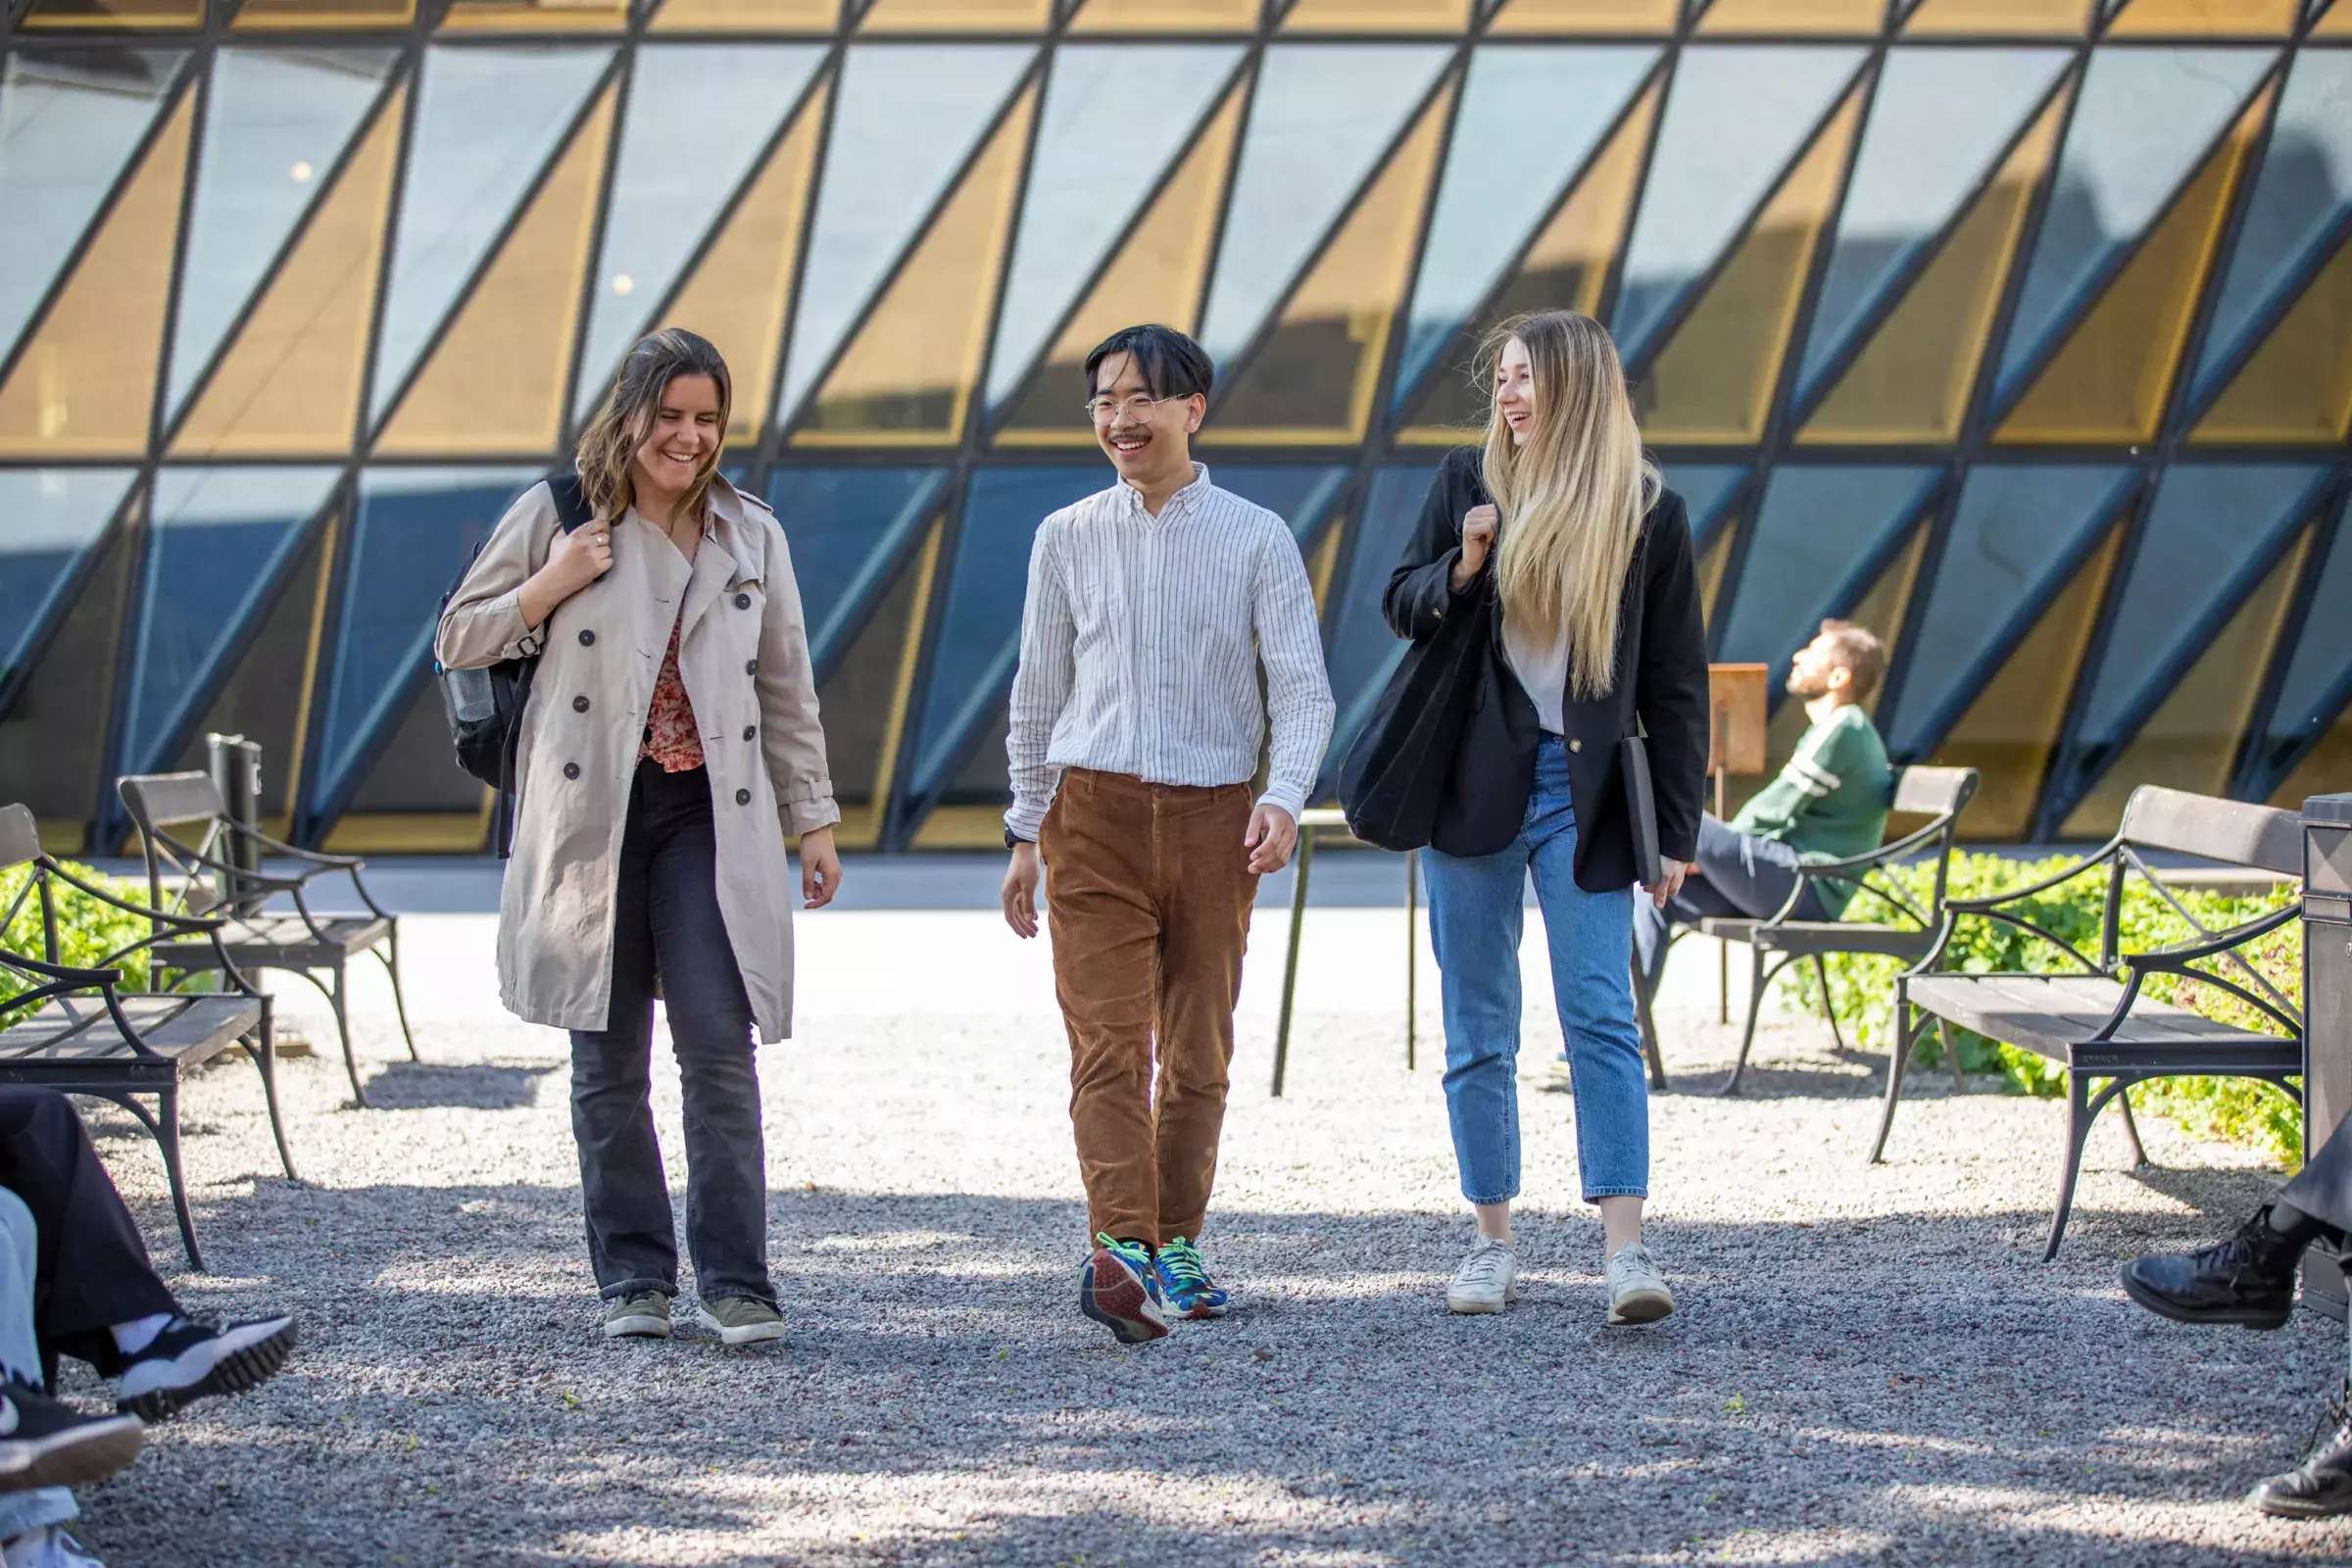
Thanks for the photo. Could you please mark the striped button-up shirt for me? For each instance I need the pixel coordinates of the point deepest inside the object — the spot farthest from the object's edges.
(1141, 643)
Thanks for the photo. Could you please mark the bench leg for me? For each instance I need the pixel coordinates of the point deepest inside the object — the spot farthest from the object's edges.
(1906, 1037)
(1290, 968)
(264, 1057)
(1759, 981)
(1951, 1053)
(351, 1060)
(391, 962)
(1829, 1005)
(167, 1139)
(2139, 1152)
(1646, 1019)
(2080, 1112)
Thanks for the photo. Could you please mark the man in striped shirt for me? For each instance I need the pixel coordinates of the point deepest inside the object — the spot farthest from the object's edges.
(1136, 726)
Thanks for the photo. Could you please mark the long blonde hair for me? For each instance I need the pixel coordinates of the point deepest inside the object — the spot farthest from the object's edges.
(1573, 498)
(625, 418)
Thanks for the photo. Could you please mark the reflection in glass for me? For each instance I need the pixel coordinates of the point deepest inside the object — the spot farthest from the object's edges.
(1301, 494)
(850, 530)
(2297, 388)
(1707, 490)
(49, 518)
(1821, 536)
(2320, 668)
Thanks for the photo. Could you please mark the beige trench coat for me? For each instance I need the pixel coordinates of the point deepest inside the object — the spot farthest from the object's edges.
(743, 659)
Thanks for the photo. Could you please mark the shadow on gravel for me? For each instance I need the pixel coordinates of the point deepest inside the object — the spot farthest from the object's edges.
(420, 1086)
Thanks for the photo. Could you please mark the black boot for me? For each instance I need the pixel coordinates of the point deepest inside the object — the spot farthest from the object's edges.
(2321, 1488)
(2248, 1280)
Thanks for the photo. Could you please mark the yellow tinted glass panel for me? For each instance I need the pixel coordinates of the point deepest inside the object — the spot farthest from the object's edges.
(1314, 377)
(290, 382)
(1714, 379)
(906, 377)
(1157, 277)
(1711, 566)
(494, 384)
(1158, 15)
(84, 385)
(1793, 15)
(2326, 770)
(256, 16)
(537, 15)
(876, 675)
(1564, 268)
(1970, 18)
(2298, 385)
(2191, 742)
(746, 15)
(2203, 18)
(1381, 15)
(2007, 734)
(738, 295)
(1586, 15)
(1887, 603)
(2110, 379)
(979, 16)
(1911, 382)
(2336, 24)
(128, 15)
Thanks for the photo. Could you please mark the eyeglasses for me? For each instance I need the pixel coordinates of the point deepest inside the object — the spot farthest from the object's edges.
(1136, 405)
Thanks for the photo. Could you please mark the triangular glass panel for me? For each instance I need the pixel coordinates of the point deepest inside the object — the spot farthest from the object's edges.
(218, 540)
(2016, 531)
(967, 16)
(263, 692)
(1822, 535)
(1301, 494)
(1375, 15)
(2335, 22)
(69, 120)
(2144, 119)
(2296, 389)
(1323, 116)
(1361, 650)
(660, 206)
(2209, 18)
(850, 529)
(486, 123)
(1554, 105)
(1735, 116)
(864, 691)
(1157, 16)
(1707, 490)
(277, 124)
(2318, 674)
(907, 118)
(1528, 16)
(55, 516)
(1087, 180)
(1792, 15)
(2299, 202)
(415, 531)
(2211, 531)
(746, 15)
(1939, 122)
(978, 641)
(1971, 19)
(67, 678)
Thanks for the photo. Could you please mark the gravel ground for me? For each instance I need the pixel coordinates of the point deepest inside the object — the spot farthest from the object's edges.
(1870, 1365)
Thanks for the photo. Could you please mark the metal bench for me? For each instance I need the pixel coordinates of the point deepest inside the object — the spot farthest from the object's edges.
(73, 1029)
(2095, 1021)
(1314, 822)
(301, 943)
(1776, 942)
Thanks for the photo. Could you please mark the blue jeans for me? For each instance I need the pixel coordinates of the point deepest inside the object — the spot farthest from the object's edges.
(22, 1512)
(1476, 912)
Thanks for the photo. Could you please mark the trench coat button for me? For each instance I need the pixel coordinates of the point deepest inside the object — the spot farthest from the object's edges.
(572, 770)
(750, 730)
(579, 705)
(750, 667)
(587, 638)
(742, 797)
(1575, 745)
(743, 601)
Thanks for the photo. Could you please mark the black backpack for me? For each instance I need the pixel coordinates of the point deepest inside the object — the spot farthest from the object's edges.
(484, 706)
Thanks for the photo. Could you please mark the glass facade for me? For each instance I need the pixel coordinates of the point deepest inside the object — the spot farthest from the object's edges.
(2020, 329)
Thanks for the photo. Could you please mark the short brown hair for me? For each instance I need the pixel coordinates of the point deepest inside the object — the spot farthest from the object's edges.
(1860, 651)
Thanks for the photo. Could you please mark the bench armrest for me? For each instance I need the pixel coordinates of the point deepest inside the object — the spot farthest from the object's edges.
(318, 857)
(188, 922)
(1989, 905)
(66, 972)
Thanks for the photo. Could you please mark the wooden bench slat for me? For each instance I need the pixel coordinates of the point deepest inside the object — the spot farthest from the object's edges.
(281, 939)
(191, 1028)
(2053, 1015)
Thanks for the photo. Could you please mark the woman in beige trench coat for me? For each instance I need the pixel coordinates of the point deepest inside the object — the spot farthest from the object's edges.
(669, 745)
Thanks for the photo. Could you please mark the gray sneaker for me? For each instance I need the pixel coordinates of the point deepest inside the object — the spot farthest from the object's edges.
(741, 1320)
(1488, 1280)
(1637, 1292)
(642, 1316)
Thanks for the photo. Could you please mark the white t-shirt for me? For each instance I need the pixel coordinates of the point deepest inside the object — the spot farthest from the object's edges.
(1542, 671)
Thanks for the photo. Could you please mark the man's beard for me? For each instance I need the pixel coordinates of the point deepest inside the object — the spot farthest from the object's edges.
(1807, 686)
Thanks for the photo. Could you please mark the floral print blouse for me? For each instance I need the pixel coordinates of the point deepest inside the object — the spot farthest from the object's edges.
(670, 738)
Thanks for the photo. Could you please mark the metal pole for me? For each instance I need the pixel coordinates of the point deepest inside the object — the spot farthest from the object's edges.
(236, 769)
(1290, 970)
(1412, 951)
(1723, 949)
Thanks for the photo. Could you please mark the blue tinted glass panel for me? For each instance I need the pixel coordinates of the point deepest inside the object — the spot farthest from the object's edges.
(848, 529)
(68, 121)
(1735, 116)
(1938, 124)
(2321, 665)
(1706, 490)
(1362, 650)
(1099, 156)
(905, 118)
(663, 204)
(49, 518)
(218, 541)
(416, 531)
(486, 120)
(1301, 494)
(1322, 117)
(273, 127)
(1550, 105)
(980, 626)
(2209, 531)
(2300, 198)
(2145, 118)
(1821, 535)
(2015, 536)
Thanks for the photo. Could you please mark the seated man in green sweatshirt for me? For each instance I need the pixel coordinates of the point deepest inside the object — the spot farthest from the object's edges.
(1828, 802)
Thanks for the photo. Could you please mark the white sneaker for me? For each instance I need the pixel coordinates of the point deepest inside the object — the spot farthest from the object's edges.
(49, 1546)
(1637, 1292)
(1488, 1280)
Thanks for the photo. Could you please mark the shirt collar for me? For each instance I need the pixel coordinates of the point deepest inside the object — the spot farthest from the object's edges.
(1182, 501)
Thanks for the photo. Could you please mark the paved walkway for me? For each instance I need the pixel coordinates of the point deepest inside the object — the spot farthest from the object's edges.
(1869, 1366)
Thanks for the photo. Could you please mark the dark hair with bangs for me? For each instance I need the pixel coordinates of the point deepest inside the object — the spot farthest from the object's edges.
(1171, 365)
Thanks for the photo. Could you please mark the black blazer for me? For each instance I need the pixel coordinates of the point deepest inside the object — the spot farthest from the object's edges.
(1661, 639)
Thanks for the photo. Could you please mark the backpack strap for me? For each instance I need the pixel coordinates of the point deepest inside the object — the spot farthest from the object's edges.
(572, 501)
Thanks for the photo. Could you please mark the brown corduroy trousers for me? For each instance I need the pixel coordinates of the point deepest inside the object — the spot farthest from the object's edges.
(1148, 895)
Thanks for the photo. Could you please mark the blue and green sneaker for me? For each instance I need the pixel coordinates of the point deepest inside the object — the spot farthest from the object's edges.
(1119, 1289)
(1183, 1283)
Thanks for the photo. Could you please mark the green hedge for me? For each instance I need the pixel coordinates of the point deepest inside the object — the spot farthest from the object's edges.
(87, 930)
(2234, 1109)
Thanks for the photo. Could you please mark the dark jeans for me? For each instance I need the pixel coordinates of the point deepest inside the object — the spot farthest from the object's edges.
(1736, 876)
(93, 1270)
(667, 920)
(2322, 1188)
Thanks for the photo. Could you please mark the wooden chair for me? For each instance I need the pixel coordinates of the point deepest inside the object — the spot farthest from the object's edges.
(2095, 1021)
(301, 943)
(73, 1029)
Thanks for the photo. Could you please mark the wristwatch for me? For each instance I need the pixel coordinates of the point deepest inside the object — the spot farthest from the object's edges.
(1013, 839)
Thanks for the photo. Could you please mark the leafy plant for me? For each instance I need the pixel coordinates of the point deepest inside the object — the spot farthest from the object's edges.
(89, 931)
